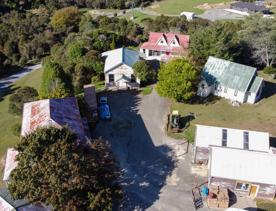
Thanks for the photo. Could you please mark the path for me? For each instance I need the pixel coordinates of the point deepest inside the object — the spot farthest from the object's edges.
(8, 81)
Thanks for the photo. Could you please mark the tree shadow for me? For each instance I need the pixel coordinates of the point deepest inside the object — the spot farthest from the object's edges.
(184, 121)
(269, 89)
(7, 91)
(211, 99)
(145, 165)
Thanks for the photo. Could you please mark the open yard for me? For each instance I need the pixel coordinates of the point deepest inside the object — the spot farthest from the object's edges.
(7, 139)
(260, 117)
(178, 6)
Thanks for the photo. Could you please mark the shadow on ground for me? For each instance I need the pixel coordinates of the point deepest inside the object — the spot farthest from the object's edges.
(269, 90)
(145, 166)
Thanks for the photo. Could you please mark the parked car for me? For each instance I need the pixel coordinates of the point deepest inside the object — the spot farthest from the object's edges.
(104, 109)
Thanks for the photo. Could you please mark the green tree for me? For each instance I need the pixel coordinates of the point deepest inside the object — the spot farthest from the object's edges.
(219, 39)
(74, 52)
(82, 76)
(55, 170)
(260, 34)
(21, 96)
(65, 18)
(144, 71)
(54, 81)
(178, 79)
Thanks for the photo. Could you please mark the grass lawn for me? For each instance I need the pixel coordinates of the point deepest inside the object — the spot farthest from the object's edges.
(260, 116)
(138, 16)
(146, 90)
(177, 6)
(7, 139)
(266, 205)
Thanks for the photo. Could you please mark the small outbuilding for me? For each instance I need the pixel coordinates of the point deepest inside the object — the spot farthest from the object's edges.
(189, 15)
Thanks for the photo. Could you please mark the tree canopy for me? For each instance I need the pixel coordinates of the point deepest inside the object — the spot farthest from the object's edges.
(219, 39)
(64, 18)
(55, 170)
(144, 71)
(177, 79)
(54, 81)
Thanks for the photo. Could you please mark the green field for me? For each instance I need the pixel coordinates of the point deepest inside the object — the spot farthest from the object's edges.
(260, 116)
(7, 139)
(177, 6)
(138, 16)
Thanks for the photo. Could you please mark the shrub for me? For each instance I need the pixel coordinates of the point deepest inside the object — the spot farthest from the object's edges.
(269, 70)
(21, 96)
(16, 129)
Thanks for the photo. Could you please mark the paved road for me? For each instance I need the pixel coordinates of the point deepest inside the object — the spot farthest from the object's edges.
(6, 82)
(157, 172)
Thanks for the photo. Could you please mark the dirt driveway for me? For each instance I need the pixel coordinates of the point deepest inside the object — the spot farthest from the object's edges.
(157, 170)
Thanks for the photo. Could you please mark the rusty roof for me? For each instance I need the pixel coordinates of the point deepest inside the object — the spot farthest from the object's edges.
(52, 112)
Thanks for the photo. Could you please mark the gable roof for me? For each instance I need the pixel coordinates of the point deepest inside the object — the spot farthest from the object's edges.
(118, 57)
(10, 163)
(237, 164)
(250, 6)
(212, 136)
(228, 74)
(53, 112)
(154, 37)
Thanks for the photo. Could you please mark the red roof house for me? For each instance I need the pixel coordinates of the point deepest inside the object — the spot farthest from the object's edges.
(165, 44)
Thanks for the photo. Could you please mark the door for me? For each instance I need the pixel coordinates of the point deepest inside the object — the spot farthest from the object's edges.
(253, 191)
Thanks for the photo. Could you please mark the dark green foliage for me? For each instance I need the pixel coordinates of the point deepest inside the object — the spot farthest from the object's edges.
(144, 71)
(55, 170)
(21, 96)
(16, 129)
(54, 81)
(219, 39)
(178, 79)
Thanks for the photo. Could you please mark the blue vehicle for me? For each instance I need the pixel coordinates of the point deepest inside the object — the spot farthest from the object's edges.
(104, 109)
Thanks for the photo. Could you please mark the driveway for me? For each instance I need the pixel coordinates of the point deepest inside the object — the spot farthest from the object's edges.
(220, 14)
(157, 170)
(6, 82)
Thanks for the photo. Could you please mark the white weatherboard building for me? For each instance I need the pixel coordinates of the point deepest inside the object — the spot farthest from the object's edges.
(248, 173)
(230, 80)
(118, 68)
(207, 136)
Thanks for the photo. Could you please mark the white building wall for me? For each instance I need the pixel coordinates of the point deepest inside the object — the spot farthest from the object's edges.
(122, 75)
(230, 94)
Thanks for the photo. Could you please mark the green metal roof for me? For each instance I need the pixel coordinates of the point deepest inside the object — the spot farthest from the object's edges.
(5, 194)
(256, 85)
(228, 74)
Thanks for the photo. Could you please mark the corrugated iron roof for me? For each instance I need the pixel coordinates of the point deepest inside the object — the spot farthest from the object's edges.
(120, 56)
(228, 74)
(256, 85)
(10, 163)
(52, 112)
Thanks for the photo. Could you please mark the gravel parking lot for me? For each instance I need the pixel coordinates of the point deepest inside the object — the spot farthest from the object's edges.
(157, 170)
(220, 14)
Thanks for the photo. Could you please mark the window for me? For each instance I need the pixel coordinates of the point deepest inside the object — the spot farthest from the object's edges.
(242, 186)
(245, 140)
(133, 79)
(144, 50)
(236, 93)
(111, 78)
(150, 52)
(224, 138)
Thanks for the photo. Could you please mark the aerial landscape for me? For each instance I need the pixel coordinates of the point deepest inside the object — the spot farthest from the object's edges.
(162, 105)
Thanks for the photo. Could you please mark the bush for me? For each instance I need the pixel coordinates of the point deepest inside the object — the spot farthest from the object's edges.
(21, 96)
(269, 70)
(144, 71)
(266, 205)
(16, 129)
